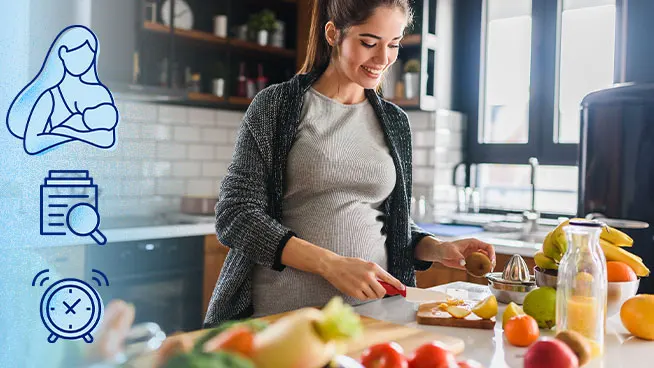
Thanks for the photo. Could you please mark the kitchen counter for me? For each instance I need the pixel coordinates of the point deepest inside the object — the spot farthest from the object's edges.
(489, 346)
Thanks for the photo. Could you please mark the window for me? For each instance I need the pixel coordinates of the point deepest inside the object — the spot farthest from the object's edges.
(538, 59)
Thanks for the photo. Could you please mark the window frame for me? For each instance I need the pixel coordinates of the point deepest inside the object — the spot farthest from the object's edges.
(544, 89)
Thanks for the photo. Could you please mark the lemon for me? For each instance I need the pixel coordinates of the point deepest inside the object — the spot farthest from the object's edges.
(511, 310)
(486, 308)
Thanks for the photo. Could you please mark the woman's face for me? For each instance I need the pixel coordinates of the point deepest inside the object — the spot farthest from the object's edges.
(369, 48)
(77, 60)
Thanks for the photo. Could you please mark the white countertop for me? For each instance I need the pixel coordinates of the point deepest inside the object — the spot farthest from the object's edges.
(489, 346)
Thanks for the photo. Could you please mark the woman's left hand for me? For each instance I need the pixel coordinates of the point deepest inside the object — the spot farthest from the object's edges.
(453, 254)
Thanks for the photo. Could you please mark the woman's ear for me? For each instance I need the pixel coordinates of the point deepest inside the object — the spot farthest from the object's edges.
(331, 33)
(63, 50)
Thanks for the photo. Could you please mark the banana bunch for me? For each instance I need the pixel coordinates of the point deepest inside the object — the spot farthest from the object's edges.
(611, 240)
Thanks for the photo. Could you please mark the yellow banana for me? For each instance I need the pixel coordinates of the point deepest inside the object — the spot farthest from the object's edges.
(544, 262)
(616, 237)
(555, 245)
(613, 253)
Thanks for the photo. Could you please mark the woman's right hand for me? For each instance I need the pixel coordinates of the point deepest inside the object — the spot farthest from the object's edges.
(358, 278)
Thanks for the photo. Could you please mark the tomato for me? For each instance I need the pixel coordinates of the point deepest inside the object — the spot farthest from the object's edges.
(239, 339)
(433, 355)
(385, 355)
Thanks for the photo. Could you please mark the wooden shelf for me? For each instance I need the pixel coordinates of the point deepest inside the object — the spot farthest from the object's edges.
(210, 38)
(205, 97)
(239, 100)
(403, 102)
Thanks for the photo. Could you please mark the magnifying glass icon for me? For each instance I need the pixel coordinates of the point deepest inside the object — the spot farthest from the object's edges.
(83, 220)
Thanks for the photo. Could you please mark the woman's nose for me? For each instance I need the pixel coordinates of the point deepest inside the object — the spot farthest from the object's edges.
(381, 56)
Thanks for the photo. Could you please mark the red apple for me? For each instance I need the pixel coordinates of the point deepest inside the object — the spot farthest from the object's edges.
(432, 355)
(547, 353)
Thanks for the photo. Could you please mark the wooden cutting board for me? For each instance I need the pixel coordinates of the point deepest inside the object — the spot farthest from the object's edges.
(376, 331)
(429, 314)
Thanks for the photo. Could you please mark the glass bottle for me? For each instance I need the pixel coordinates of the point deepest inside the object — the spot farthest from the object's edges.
(582, 284)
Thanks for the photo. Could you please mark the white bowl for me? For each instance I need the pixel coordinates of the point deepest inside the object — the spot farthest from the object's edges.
(618, 293)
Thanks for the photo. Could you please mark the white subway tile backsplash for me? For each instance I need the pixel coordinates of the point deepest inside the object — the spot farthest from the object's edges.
(173, 115)
(224, 152)
(214, 135)
(201, 187)
(158, 169)
(186, 134)
(156, 132)
(424, 139)
(136, 149)
(171, 151)
(420, 157)
(166, 186)
(136, 111)
(186, 169)
(214, 169)
(231, 119)
(423, 175)
(201, 117)
(231, 136)
(200, 152)
(128, 130)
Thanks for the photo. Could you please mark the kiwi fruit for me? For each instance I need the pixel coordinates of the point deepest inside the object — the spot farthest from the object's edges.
(478, 264)
(577, 343)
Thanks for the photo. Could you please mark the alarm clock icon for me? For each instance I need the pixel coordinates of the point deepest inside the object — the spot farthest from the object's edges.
(71, 309)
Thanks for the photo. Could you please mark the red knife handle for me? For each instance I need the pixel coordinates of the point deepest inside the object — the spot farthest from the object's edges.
(392, 290)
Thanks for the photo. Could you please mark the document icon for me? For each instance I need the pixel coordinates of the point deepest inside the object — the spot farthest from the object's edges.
(69, 203)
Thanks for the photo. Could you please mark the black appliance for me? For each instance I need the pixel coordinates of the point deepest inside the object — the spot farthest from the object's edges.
(616, 164)
(161, 277)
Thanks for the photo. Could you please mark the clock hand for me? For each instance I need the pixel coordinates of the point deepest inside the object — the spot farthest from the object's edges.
(71, 308)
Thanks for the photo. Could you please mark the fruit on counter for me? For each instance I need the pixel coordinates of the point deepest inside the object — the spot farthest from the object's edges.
(544, 262)
(219, 359)
(238, 339)
(616, 237)
(486, 308)
(384, 355)
(554, 244)
(458, 312)
(619, 272)
(469, 363)
(549, 353)
(511, 310)
(306, 338)
(577, 343)
(478, 264)
(540, 303)
(637, 315)
(254, 325)
(432, 355)
(175, 344)
(614, 253)
(521, 330)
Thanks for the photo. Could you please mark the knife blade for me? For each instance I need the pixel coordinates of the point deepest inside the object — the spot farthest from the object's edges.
(413, 294)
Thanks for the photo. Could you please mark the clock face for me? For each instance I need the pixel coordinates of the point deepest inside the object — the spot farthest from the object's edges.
(70, 308)
(183, 14)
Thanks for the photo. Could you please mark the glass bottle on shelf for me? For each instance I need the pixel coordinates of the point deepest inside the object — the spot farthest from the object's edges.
(582, 284)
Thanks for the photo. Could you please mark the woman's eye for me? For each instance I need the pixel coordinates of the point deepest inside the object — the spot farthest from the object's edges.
(365, 44)
(394, 46)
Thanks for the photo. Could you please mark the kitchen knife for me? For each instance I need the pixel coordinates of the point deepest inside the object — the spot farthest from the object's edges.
(413, 294)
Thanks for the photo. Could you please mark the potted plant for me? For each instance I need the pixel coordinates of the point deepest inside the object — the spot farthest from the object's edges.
(412, 78)
(263, 23)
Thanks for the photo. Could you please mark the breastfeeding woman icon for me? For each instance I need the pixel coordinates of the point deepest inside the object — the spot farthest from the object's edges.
(65, 101)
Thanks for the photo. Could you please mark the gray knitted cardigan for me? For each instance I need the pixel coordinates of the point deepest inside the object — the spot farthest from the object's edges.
(249, 207)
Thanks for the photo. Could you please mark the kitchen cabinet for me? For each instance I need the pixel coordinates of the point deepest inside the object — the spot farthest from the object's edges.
(438, 274)
(214, 258)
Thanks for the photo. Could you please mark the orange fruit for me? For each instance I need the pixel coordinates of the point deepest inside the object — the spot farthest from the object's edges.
(637, 315)
(521, 330)
(619, 272)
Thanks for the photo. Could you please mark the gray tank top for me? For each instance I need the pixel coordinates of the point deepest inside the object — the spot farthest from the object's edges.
(339, 171)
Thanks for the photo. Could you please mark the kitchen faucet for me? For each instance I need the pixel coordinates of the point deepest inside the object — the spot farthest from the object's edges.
(530, 217)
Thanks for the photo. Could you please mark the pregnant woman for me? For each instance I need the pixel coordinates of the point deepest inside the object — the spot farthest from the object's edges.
(316, 200)
(65, 101)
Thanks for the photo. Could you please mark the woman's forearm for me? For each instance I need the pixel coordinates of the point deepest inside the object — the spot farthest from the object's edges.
(305, 256)
(428, 249)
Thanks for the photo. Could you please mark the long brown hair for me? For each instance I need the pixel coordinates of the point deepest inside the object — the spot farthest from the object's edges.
(344, 14)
